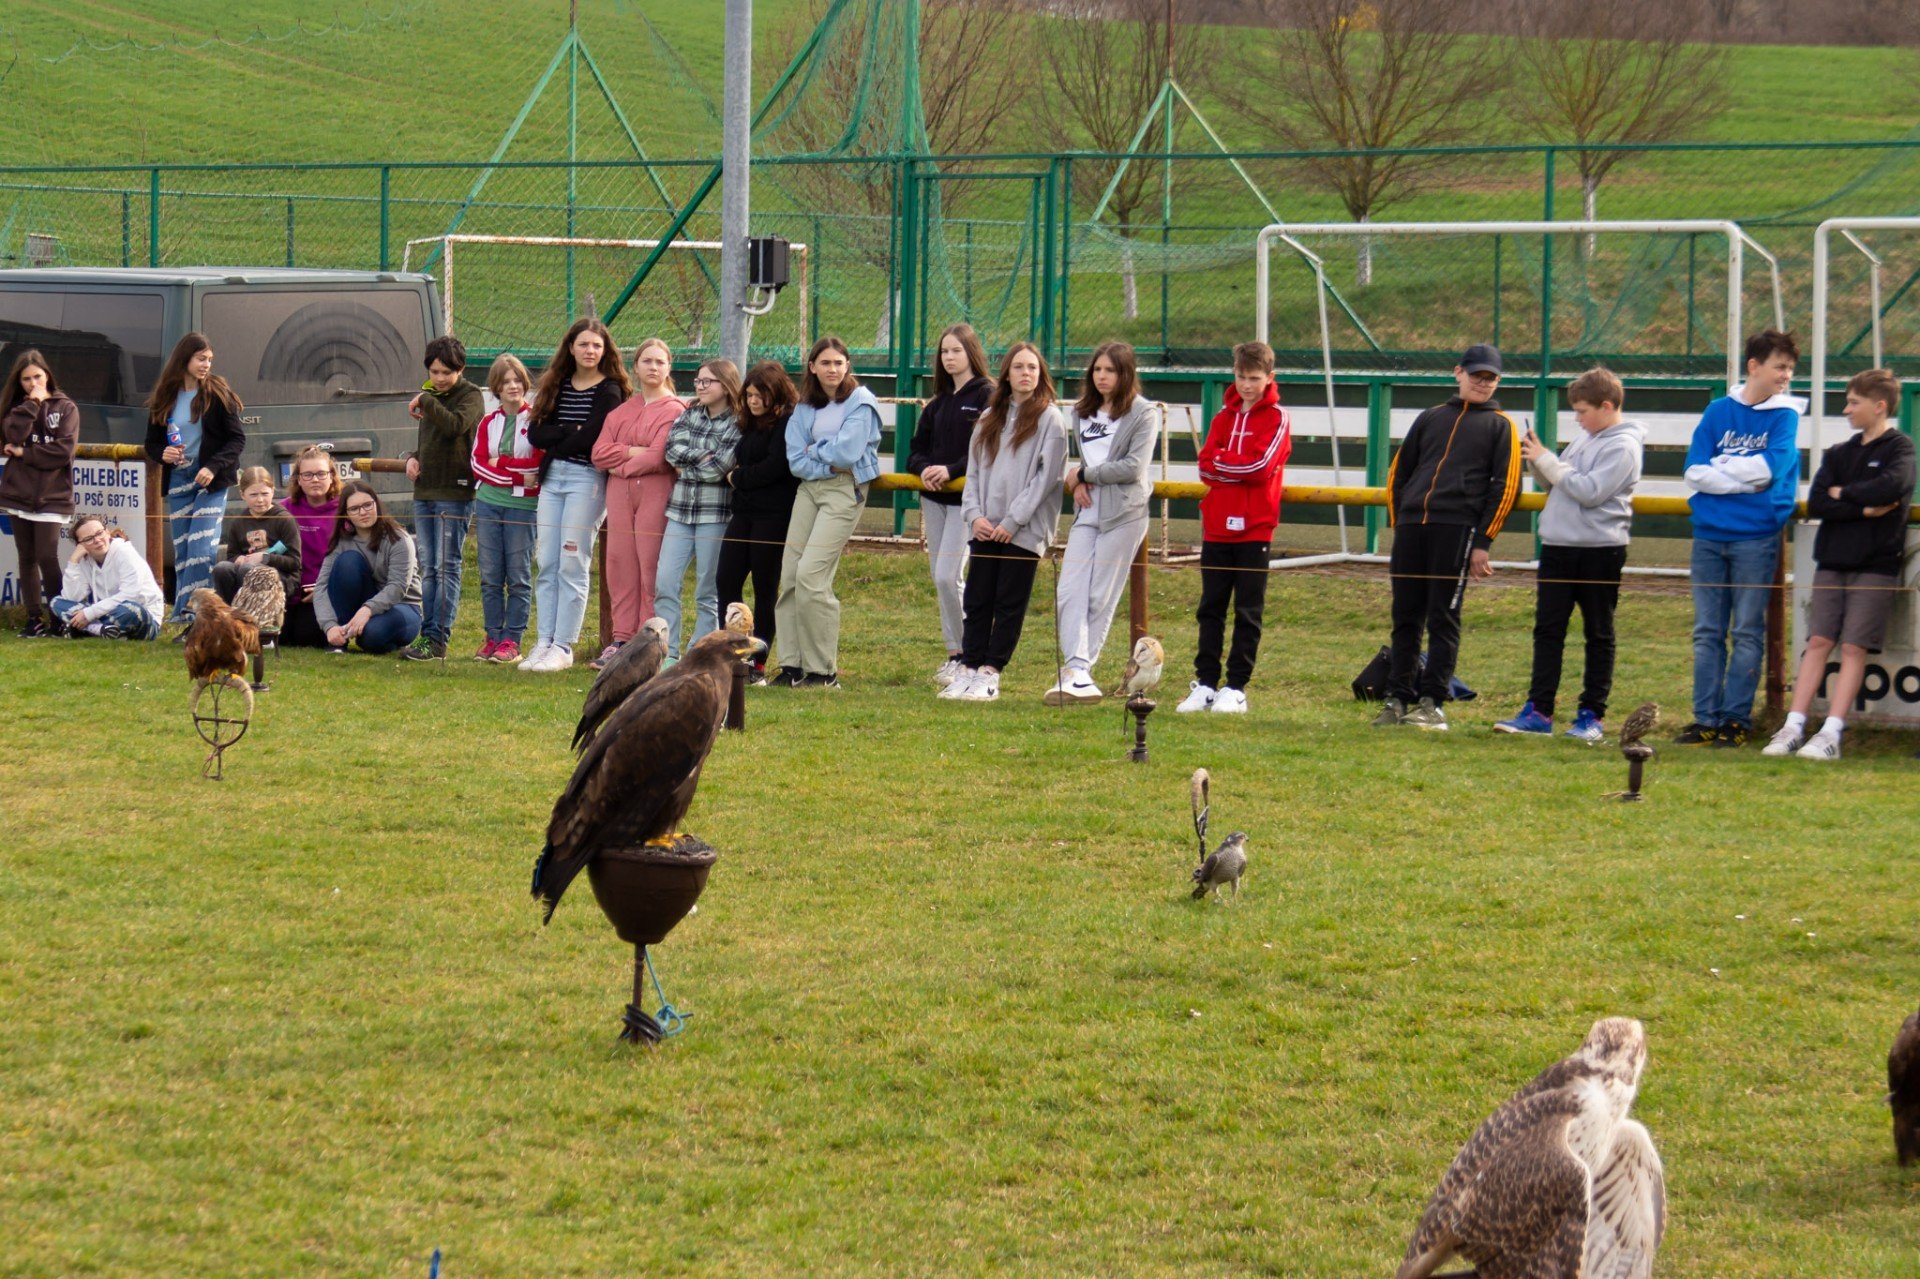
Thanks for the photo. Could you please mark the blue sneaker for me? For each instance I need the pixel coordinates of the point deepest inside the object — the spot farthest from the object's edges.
(1528, 720)
(1587, 728)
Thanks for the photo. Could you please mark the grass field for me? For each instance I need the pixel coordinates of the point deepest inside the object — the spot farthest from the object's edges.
(954, 1013)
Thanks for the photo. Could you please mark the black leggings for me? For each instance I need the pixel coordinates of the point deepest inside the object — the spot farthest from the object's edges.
(999, 587)
(38, 545)
(754, 545)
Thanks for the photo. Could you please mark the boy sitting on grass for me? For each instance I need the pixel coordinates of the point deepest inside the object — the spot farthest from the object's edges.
(1243, 464)
(1860, 495)
(1583, 533)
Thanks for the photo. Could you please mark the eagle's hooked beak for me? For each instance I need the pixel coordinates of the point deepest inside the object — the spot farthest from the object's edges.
(751, 648)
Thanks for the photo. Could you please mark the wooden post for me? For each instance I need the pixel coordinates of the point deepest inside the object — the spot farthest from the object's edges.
(157, 532)
(1777, 630)
(1137, 596)
(606, 599)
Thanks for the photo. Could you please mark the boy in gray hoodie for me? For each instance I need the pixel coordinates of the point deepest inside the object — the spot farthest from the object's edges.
(1583, 534)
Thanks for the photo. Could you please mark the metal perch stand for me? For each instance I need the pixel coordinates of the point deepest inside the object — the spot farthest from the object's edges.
(1140, 706)
(644, 892)
(217, 729)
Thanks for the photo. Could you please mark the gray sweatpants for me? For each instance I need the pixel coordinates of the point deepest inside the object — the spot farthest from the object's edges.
(947, 541)
(1093, 572)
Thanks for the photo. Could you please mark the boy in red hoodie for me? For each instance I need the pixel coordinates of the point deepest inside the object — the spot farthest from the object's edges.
(1242, 464)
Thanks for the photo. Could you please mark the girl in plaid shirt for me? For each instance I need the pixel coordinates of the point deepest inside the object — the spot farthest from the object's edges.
(700, 448)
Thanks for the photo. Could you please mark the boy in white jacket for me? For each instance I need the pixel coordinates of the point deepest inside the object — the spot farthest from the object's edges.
(107, 589)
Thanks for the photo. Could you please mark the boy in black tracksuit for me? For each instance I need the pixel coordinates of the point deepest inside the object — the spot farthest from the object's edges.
(1450, 488)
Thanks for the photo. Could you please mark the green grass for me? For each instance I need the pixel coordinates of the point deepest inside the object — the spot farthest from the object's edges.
(953, 1011)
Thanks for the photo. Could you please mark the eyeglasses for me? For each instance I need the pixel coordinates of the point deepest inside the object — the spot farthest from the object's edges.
(315, 475)
(1484, 377)
(706, 381)
(91, 538)
(362, 508)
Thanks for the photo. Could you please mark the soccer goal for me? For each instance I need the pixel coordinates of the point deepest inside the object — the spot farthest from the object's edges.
(1849, 293)
(516, 292)
(1399, 297)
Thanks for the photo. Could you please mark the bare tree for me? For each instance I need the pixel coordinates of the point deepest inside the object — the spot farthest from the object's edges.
(1368, 78)
(1613, 71)
(852, 105)
(1107, 71)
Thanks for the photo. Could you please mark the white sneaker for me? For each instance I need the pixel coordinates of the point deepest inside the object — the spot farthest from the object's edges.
(1822, 745)
(985, 686)
(949, 671)
(1230, 701)
(1072, 686)
(1199, 699)
(957, 687)
(559, 658)
(532, 661)
(1785, 742)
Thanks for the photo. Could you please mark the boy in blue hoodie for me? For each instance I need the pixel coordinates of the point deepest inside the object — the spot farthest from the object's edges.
(1743, 468)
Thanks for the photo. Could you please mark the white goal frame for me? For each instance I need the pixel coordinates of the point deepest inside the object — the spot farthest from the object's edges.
(1288, 233)
(803, 284)
(1822, 264)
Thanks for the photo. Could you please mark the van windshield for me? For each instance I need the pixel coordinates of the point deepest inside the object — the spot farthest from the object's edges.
(104, 346)
(301, 346)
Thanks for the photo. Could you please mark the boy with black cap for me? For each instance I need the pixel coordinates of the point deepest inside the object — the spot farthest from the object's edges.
(1450, 488)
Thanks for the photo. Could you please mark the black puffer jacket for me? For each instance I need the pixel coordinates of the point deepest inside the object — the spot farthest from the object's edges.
(763, 483)
(1459, 465)
(221, 439)
(944, 433)
(1867, 475)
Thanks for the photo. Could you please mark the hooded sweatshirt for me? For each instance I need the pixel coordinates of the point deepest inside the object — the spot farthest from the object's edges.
(1019, 488)
(1115, 458)
(945, 433)
(1876, 474)
(40, 481)
(1744, 467)
(1243, 464)
(1459, 465)
(122, 577)
(447, 419)
(1590, 502)
(838, 436)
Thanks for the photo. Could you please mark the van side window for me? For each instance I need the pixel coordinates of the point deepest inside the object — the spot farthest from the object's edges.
(104, 346)
(300, 346)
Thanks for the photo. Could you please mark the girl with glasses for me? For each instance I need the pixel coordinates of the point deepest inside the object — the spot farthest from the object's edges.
(368, 592)
(313, 500)
(700, 448)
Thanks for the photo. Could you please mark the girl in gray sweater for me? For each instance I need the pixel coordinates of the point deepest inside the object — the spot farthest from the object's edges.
(369, 585)
(1112, 430)
(1009, 508)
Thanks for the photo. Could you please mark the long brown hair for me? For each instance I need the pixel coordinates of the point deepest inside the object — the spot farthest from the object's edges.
(11, 394)
(561, 368)
(173, 380)
(811, 392)
(1025, 426)
(307, 454)
(776, 393)
(969, 341)
(727, 374)
(1121, 356)
(385, 527)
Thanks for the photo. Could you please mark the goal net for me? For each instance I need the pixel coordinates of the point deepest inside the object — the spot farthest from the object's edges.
(519, 293)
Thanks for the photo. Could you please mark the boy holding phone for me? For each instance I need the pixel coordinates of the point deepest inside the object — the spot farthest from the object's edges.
(1583, 534)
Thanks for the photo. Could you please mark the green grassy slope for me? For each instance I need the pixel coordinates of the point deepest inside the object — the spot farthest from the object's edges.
(954, 1013)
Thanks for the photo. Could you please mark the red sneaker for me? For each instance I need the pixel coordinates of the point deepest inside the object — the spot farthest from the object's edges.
(506, 651)
(487, 651)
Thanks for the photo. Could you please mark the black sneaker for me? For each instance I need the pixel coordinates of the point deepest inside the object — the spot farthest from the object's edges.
(787, 677)
(1697, 734)
(757, 676)
(818, 681)
(1730, 737)
(36, 629)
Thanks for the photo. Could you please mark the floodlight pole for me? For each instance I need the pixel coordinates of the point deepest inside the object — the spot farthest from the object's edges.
(735, 162)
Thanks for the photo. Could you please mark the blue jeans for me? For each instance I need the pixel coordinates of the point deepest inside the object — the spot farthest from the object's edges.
(1731, 581)
(350, 585)
(700, 543)
(193, 519)
(573, 501)
(122, 621)
(505, 543)
(439, 536)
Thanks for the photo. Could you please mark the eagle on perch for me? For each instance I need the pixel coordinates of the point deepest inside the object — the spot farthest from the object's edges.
(638, 661)
(636, 777)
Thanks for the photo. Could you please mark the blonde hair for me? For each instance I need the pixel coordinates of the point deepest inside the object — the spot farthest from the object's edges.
(252, 475)
(504, 366)
(333, 472)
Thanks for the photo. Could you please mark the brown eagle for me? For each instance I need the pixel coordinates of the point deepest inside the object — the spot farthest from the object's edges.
(636, 778)
(220, 640)
(1903, 1090)
(638, 661)
(1558, 1183)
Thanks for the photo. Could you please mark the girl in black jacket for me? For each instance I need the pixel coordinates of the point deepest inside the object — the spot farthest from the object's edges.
(938, 455)
(763, 488)
(41, 428)
(193, 428)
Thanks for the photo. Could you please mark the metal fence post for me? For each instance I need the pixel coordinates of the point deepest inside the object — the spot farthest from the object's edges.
(153, 218)
(289, 230)
(1379, 450)
(904, 341)
(126, 228)
(1066, 253)
(386, 217)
